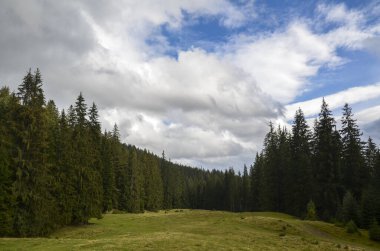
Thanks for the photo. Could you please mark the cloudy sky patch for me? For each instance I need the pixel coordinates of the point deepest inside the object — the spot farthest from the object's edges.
(198, 79)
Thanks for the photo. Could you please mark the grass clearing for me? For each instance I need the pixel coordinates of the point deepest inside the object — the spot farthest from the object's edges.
(197, 230)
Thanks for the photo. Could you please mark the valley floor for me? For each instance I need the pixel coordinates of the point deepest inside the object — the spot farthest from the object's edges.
(197, 230)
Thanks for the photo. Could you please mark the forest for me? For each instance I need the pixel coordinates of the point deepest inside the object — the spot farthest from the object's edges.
(59, 168)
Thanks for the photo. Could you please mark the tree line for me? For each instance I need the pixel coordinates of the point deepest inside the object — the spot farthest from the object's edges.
(58, 168)
(330, 169)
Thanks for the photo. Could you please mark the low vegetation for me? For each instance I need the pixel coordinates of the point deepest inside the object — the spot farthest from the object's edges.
(197, 230)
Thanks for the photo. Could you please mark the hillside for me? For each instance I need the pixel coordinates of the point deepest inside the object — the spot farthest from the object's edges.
(197, 230)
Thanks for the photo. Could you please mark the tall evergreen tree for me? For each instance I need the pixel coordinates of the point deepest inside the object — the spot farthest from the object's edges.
(300, 186)
(326, 168)
(108, 173)
(88, 193)
(246, 188)
(65, 172)
(153, 185)
(354, 172)
(257, 180)
(133, 184)
(34, 202)
(271, 175)
(370, 155)
(8, 103)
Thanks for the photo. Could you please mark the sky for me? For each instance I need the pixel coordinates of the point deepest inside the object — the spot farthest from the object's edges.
(199, 79)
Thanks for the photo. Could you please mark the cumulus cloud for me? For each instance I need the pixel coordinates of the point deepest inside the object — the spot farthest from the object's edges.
(351, 96)
(205, 108)
(282, 61)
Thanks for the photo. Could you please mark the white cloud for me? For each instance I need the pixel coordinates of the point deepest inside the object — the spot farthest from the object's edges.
(369, 115)
(282, 62)
(338, 13)
(351, 96)
(207, 108)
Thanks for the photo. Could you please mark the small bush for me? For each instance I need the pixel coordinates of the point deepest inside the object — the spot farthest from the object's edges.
(351, 227)
(314, 242)
(350, 209)
(374, 231)
(117, 211)
(311, 213)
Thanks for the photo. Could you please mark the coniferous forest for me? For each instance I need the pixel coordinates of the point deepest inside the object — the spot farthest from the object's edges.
(58, 168)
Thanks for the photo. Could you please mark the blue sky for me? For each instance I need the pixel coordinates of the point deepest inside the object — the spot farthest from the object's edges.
(199, 79)
(208, 33)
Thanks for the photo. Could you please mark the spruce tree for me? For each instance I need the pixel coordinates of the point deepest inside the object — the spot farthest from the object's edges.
(133, 184)
(257, 181)
(87, 190)
(35, 205)
(350, 210)
(271, 174)
(7, 104)
(355, 174)
(326, 164)
(153, 184)
(300, 185)
(246, 187)
(65, 172)
(370, 153)
(108, 173)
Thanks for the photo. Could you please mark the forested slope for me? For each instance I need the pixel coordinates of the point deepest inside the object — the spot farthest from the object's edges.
(58, 168)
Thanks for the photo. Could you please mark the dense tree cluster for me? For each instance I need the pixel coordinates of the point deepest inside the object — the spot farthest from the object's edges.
(331, 168)
(58, 168)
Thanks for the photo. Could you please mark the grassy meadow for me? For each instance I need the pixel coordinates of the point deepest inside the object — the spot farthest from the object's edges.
(197, 230)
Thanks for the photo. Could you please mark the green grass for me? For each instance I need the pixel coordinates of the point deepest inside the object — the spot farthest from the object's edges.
(197, 230)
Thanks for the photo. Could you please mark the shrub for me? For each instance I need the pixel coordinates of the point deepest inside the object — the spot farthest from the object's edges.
(351, 227)
(349, 208)
(374, 231)
(311, 213)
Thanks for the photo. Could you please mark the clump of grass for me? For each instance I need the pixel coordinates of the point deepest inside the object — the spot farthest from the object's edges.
(117, 211)
(282, 234)
(339, 224)
(282, 231)
(314, 242)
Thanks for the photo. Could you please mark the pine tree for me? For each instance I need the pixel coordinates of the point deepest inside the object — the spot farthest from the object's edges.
(108, 173)
(326, 168)
(7, 104)
(95, 165)
(65, 173)
(121, 167)
(257, 185)
(370, 156)
(300, 185)
(284, 178)
(133, 184)
(164, 168)
(271, 174)
(246, 188)
(231, 191)
(353, 169)
(374, 189)
(153, 185)
(350, 210)
(89, 195)
(35, 205)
